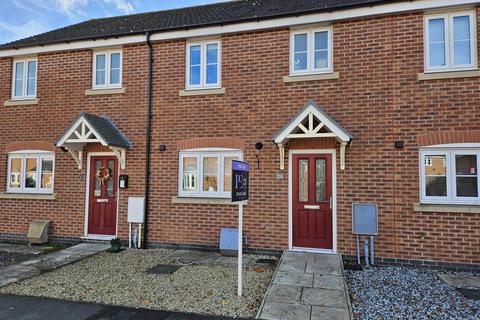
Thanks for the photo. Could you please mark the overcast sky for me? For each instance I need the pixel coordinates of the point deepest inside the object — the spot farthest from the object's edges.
(23, 18)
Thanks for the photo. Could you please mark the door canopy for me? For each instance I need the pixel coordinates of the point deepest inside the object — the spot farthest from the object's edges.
(89, 128)
(312, 122)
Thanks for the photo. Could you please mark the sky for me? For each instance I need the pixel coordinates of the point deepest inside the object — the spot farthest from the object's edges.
(23, 18)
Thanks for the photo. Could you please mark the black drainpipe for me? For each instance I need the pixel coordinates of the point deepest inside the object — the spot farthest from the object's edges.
(148, 139)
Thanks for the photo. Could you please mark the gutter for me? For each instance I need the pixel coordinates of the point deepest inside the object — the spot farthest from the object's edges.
(148, 140)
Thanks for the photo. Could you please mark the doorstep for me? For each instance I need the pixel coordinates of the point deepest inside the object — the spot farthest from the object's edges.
(98, 237)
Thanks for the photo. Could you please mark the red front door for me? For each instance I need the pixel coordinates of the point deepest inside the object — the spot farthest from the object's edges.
(312, 201)
(102, 209)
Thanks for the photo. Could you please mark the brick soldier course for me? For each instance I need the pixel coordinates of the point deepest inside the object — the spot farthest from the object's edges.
(377, 97)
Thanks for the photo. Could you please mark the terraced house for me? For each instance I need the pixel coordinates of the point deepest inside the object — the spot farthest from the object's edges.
(353, 101)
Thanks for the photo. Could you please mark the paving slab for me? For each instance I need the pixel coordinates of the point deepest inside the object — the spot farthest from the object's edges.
(324, 313)
(30, 268)
(293, 279)
(327, 281)
(324, 297)
(284, 294)
(285, 311)
(307, 286)
(461, 281)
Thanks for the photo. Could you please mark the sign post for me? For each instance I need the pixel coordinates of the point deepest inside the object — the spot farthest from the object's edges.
(240, 182)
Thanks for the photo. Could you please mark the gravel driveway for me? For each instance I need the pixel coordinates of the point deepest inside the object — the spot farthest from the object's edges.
(120, 279)
(403, 293)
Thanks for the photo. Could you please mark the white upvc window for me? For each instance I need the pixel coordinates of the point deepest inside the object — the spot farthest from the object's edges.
(203, 65)
(24, 80)
(107, 69)
(206, 172)
(450, 175)
(450, 41)
(311, 51)
(30, 172)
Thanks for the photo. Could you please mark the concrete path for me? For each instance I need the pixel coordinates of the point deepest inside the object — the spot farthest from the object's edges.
(33, 308)
(307, 286)
(32, 267)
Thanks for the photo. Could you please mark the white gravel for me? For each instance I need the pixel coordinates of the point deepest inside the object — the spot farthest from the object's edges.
(403, 293)
(120, 279)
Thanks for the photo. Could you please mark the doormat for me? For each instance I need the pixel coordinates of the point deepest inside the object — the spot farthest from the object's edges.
(163, 269)
(470, 293)
(267, 262)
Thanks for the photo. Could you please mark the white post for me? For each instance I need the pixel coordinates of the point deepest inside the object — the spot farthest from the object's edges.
(240, 247)
(129, 234)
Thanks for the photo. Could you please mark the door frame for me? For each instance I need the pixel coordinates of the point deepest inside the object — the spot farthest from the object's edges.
(86, 235)
(331, 152)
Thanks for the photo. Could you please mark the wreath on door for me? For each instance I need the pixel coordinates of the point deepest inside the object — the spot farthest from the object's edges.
(103, 174)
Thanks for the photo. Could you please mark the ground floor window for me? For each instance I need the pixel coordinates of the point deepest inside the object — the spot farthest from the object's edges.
(450, 176)
(30, 172)
(206, 173)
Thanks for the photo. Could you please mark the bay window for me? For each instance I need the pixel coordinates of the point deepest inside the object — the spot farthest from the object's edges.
(206, 173)
(311, 51)
(203, 65)
(450, 41)
(24, 84)
(450, 176)
(30, 172)
(107, 69)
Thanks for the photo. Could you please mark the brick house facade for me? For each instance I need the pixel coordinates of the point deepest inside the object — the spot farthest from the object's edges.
(380, 93)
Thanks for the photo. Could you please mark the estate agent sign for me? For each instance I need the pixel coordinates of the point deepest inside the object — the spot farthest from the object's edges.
(240, 181)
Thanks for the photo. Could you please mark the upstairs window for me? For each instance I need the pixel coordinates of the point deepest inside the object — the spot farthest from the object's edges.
(207, 173)
(203, 65)
(107, 69)
(450, 175)
(450, 41)
(311, 51)
(24, 79)
(30, 172)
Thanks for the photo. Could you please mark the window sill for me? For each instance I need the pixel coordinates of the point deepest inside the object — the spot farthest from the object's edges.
(25, 102)
(457, 208)
(193, 200)
(311, 77)
(448, 75)
(93, 92)
(28, 196)
(201, 92)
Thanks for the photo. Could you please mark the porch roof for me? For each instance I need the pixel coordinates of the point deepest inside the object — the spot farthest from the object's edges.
(90, 128)
(317, 119)
(100, 128)
(312, 122)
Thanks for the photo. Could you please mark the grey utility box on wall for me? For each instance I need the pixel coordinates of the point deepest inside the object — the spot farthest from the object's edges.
(365, 219)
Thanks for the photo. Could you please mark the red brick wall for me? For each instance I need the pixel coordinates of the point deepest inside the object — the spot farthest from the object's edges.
(62, 81)
(377, 98)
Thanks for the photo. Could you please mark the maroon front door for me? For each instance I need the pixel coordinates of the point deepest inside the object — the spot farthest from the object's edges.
(312, 201)
(102, 209)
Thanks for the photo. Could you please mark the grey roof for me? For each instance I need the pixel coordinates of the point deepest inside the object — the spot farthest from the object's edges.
(186, 18)
(323, 112)
(107, 130)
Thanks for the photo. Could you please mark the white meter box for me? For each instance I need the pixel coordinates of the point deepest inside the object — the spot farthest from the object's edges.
(136, 210)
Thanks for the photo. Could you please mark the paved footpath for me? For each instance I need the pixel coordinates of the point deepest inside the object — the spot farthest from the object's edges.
(33, 308)
(35, 266)
(307, 286)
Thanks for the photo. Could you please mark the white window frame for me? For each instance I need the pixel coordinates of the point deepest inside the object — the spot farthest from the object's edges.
(449, 151)
(221, 153)
(107, 84)
(449, 42)
(203, 65)
(29, 154)
(24, 95)
(311, 51)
